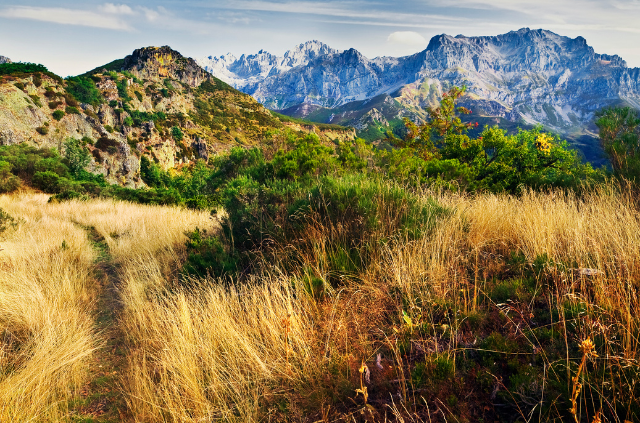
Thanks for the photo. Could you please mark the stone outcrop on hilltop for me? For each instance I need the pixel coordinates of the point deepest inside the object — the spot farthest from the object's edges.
(158, 63)
(4, 59)
(528, 76)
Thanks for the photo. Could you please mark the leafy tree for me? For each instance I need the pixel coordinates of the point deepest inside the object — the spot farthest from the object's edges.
(8, 181)
(620, 138)
(77, 157)
(445, 154)
(444, 121)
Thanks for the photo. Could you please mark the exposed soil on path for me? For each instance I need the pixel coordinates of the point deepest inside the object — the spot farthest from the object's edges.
(101, 399)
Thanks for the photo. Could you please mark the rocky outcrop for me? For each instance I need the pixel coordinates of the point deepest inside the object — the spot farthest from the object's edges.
(4, 59)
(158, 63)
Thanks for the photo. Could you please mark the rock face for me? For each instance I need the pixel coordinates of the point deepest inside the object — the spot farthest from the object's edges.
(252, 69)
(157, 63)
(4, 59)
(526, 76)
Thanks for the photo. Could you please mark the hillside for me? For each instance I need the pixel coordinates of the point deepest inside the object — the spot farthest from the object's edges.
(153, 103)
(524, 77)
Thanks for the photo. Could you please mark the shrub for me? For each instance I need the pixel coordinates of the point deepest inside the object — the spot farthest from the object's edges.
(84, 90)
(76, 156)
(51, 182)
(208, 257)
(19, 85)
(620, 137)
(58, 114)
(70, 100)
(8, 181)
(109, 129)
(42, 130)
(54, 104)
(36, 100)
(104, 143)
(72, 110)
(177, 134)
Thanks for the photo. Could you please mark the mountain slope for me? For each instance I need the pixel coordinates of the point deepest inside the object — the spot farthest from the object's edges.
(4, 59)
(154, 102)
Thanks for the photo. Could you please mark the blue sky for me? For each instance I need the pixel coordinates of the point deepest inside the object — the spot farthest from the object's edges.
(71, 37)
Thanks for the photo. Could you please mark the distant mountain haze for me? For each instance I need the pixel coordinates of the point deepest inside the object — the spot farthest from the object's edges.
(524, 77)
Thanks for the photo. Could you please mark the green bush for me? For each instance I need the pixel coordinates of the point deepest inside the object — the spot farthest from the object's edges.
(36, 100)
(72, 110)
(84, 90)
(208, 257)
(58, 114)
(8, 181)
(51, 182)
(177, 134)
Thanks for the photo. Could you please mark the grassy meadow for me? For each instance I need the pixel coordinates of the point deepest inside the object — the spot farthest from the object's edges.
(506, 309)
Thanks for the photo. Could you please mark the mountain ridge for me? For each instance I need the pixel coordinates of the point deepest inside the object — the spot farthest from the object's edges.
(530, 76)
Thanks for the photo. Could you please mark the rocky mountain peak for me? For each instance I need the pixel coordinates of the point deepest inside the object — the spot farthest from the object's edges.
(249, 70)
(163, 62)
(4, 59)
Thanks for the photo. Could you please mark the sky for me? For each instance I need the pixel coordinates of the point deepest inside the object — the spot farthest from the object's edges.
(72, 37)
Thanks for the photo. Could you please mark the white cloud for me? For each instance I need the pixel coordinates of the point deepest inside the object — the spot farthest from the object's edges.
(65, 17)
(117, 9)
(407, 38)
(345, 9)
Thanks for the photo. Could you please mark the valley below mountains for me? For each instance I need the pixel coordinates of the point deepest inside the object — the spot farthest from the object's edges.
(519, 79)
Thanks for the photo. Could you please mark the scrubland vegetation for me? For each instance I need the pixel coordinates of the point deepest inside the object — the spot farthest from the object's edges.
(449, 280)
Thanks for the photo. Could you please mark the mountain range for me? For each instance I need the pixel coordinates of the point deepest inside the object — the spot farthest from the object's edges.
(521, 78)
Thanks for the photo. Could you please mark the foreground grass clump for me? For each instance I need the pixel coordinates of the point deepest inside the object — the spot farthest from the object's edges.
(484, 316)
(49, 290)
(46, 297)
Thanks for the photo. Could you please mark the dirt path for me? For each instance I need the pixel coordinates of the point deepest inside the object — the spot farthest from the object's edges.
(101, 399)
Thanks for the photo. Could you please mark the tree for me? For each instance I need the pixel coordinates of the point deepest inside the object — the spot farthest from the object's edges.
(620, 139)
(444, 120)
(76, 155)
(495, 161)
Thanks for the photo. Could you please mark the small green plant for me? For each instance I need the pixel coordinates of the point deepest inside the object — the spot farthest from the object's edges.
(58, 114)
(19, 85)
(36, 100)
(42, 130)
(70, 110)
(177, 134)
(109, 129)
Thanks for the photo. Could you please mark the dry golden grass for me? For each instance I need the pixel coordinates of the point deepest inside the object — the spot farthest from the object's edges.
(270, 349)
(214, 352)
(47, 294)
(45, 312)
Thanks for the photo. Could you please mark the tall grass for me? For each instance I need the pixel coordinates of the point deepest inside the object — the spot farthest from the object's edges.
(525, 280)
(274, 348)
(46, 298)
